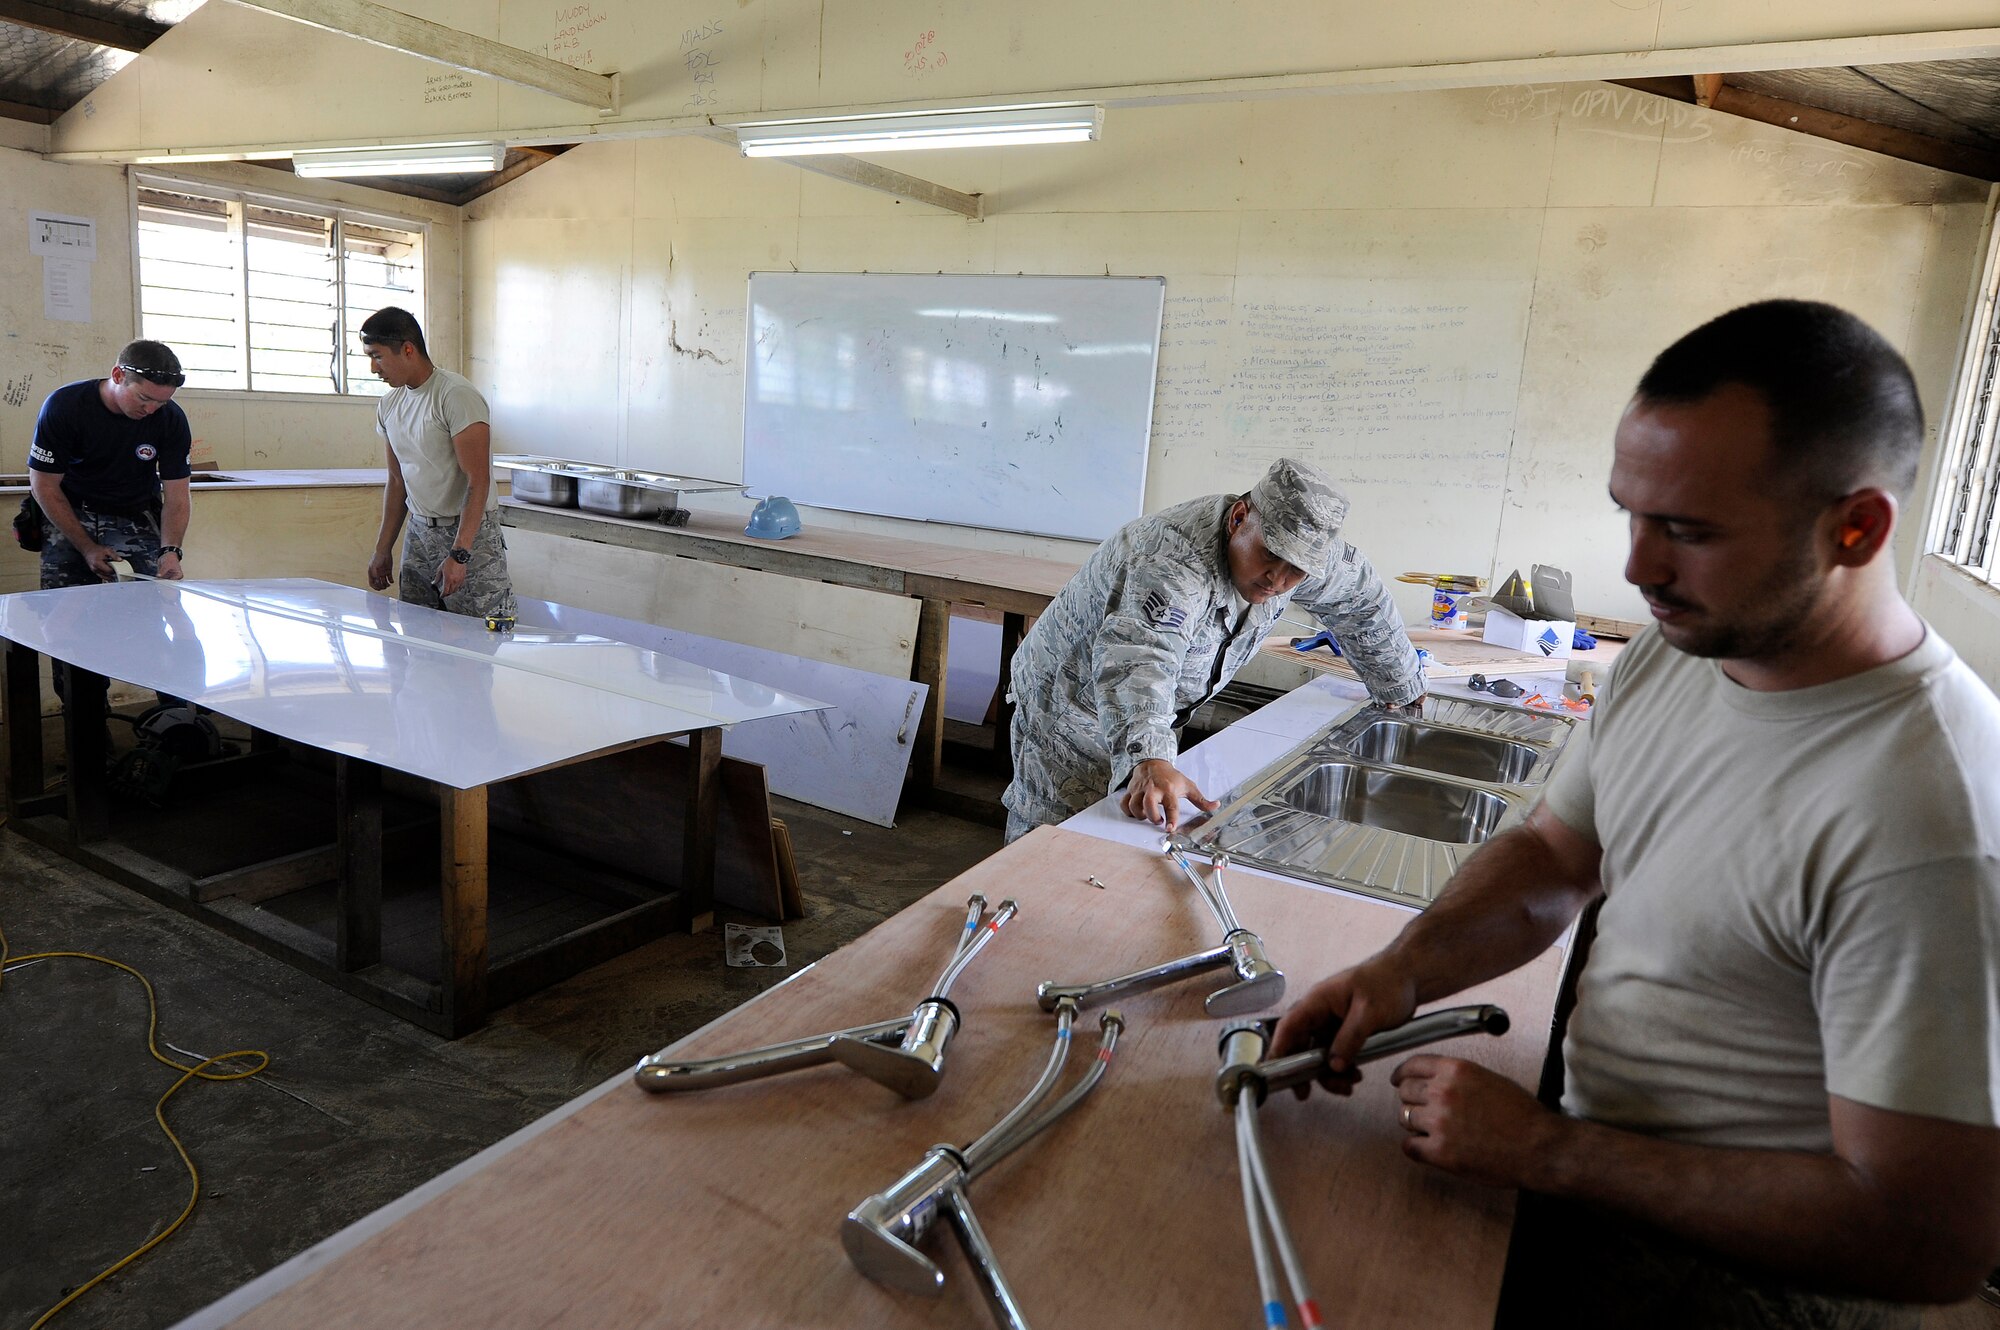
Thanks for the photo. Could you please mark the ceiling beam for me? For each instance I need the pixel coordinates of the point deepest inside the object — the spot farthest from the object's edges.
(530, 158)
(1834, 127)
(870, 176)
(1705, 88)
(123, 34)
(379, 25)
(35, 115)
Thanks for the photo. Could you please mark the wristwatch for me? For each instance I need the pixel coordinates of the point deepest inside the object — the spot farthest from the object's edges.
(174, 550)
(457, 555)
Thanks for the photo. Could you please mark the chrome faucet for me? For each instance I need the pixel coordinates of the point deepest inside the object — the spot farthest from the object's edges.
(906, 1054)
(1246, 1079)
(882, 1233)
(1259, 984)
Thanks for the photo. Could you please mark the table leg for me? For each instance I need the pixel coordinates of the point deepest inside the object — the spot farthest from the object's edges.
(933, 646)
(1012, 628)
(87, 748)
(357, 796)
(21, 714)
(704, 809)
(462, 873)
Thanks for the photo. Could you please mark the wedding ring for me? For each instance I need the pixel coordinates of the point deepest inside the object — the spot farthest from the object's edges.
(1407, 1124)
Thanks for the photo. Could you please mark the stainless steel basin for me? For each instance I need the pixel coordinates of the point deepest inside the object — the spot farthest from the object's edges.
(622, 494)
(552, 488)
(1394, 801)
(1387, 804)
(1405, 743)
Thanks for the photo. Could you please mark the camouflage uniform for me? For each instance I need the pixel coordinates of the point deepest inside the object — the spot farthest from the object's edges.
(1146, 632)
(135, 540)
(487, 591)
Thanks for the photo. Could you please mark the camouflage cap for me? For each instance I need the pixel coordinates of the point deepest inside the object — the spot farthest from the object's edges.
(1302, 513)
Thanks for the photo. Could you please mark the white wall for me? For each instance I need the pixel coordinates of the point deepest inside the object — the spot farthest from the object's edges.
(1568, 233)
(233, 429)
(1965, 610)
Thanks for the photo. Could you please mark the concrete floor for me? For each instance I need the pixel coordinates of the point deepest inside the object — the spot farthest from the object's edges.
(357, 1107)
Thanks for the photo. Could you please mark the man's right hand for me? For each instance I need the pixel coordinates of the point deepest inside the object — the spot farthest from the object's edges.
(99, 558)
(1344, 1010)
(1155, 792)
(378, 572)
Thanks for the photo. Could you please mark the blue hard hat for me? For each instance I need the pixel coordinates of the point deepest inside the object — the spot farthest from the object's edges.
(773, 519)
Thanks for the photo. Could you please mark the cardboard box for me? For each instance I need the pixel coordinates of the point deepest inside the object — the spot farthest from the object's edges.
(1532, 637)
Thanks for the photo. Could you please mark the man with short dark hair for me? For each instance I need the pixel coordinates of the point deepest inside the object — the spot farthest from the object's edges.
(109, 467)
(1782, 1073)
(1164, 614)
(440, 474)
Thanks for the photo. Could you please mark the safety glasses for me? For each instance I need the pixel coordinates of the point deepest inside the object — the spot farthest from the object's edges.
(166, 378)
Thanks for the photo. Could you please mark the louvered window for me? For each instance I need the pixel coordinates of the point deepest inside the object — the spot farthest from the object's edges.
(265, 294)
(1965, 513)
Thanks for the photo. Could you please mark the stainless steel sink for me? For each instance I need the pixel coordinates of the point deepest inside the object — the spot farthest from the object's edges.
(1390, 805)
(1394, 801)
(1482, 757)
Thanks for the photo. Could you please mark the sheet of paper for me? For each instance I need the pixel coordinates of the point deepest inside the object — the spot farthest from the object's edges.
(57, 235)
(66, 290)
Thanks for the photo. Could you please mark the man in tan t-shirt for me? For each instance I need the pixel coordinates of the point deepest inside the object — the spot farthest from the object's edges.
(1783, 1069)
(434, 423)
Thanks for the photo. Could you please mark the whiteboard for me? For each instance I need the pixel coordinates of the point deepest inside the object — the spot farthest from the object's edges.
(1013, 403)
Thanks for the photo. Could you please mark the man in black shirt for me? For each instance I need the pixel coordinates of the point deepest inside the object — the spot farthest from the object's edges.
(109, 467)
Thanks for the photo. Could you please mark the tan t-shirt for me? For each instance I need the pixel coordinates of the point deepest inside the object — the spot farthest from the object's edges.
(419, 424)
(1801, 899)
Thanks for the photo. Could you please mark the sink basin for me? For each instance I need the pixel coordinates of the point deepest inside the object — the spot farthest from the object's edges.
(1400, 801)
(1405, 743)
(1386, 804)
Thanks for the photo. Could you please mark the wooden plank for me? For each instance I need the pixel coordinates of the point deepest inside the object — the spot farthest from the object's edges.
(700, 812)
(462, 873)
(273, 877)
(21, 713)
(788, 870)
(34, 115)
(1979, 163)
(880, 178)
(379, 25)
(1705, 88)
(358, 812)
(569, 1226)
(86, 748)
(125, 32)
(933, 646)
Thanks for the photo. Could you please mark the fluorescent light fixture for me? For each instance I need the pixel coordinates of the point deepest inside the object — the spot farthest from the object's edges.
(925, 129)
(989, 315)
(416, 159)
(193, 158)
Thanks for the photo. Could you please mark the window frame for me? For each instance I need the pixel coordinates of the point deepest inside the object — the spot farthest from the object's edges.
(1962, 517)
(340, 214)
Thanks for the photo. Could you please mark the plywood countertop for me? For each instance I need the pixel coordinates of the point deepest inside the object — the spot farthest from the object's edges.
(724, 1207)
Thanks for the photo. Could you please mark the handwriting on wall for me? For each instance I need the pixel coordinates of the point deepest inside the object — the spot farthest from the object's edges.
(924, 55)
(452, 87)
(1386, 387)
(1601, 109)
(698, 55)
(17, 390)
(569, 37)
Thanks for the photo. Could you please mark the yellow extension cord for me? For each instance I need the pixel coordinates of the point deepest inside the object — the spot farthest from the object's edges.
(196, 1072)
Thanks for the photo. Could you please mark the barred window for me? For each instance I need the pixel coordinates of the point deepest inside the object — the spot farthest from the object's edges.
(1965, 511)
(266, 294)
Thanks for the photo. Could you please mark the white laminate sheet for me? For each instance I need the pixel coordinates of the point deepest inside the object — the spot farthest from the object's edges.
(850, 757)
(413, 689)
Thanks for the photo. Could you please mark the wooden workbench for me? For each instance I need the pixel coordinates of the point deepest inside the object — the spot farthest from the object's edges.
(1016, 587)
(724, 1207)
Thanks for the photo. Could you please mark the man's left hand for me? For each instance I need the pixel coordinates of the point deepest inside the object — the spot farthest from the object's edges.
(169, 568)
(451, 577)
(1472, 1123)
